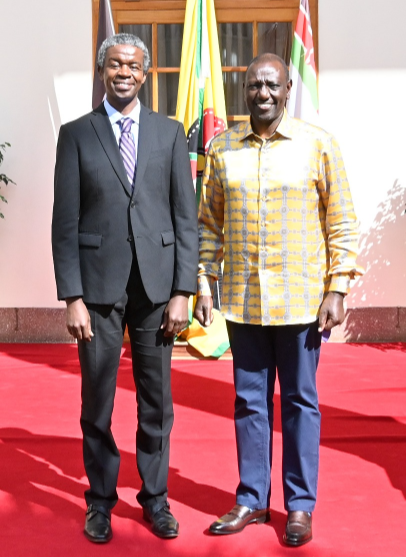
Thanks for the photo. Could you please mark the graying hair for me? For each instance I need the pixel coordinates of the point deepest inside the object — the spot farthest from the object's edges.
(123, 38)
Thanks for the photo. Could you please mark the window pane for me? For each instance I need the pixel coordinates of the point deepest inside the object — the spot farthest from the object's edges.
(235, 43)
(145, 93)
(167, 93)
(169, 45)
(276, 38)
(144, 32)
(234, 94)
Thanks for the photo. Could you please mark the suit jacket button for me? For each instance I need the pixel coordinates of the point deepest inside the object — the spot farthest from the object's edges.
(132, 205)
(130, 238)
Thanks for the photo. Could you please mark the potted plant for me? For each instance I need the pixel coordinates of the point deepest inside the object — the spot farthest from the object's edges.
(3, 178)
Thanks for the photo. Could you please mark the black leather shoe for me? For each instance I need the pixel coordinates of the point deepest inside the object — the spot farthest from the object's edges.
(98, 524)
(237, 519)
(298, 528)
(164, 524)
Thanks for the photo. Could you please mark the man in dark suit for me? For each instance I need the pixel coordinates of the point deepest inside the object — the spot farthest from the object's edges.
(125, 248)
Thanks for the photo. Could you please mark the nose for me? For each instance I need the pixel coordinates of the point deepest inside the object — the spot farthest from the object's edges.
(125, 70)
(263, 90)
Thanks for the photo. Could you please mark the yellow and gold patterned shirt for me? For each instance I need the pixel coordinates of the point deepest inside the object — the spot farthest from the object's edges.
(279, 212)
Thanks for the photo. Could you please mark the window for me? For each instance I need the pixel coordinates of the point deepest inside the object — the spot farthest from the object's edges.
(239, 43)
(245, 29)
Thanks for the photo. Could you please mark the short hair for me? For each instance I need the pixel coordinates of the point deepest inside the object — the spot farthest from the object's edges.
(272, 58)
(123, 38)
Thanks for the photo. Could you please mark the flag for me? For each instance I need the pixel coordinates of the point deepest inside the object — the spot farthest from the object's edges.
(303, 102)
(201, 106)
(105, 29)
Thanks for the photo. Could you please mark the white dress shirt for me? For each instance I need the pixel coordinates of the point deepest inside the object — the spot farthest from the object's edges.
(115, 116)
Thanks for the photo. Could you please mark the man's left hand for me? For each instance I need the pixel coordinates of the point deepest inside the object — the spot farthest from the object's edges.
(332, 311)
(175, 317)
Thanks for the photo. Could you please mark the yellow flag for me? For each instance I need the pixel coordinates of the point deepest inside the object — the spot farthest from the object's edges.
(202, 110)
(201, 105)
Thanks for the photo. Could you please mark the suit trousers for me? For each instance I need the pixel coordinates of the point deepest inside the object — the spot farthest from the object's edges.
(258, 352)
(151, 358)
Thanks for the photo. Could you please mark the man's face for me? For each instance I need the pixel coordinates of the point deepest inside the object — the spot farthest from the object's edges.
(266, 90)
(123, 75)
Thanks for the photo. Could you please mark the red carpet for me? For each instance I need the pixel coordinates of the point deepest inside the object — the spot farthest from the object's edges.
(361, 509)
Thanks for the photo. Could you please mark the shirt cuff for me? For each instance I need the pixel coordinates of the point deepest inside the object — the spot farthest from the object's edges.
(204, 285)
(340, 283)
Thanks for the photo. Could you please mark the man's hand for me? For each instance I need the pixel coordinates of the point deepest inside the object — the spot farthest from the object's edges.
(175, 317)
(78, 319)
(204, 310)
(331, 311)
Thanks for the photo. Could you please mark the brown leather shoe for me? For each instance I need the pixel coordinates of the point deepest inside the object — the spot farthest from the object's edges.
(237, 519)
(298, 528)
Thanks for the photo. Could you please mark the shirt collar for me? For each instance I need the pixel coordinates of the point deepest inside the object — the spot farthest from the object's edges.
(115, 116)
(284, 127)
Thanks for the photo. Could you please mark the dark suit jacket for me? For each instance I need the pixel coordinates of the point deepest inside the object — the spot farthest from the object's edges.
(95, 217)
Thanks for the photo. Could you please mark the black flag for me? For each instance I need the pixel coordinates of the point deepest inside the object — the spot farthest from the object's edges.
(105, 29)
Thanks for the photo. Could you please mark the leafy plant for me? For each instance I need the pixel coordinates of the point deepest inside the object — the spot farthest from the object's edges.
(3, 178)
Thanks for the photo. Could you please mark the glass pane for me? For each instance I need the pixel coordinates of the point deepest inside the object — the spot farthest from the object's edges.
(276, 38)
(235, 43)
(234, 95)
(168, 84)
(144, 32)
(170, 45)
(145, 93)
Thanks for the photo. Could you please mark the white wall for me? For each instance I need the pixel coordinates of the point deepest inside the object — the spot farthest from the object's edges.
(45, 80)
(362, 89)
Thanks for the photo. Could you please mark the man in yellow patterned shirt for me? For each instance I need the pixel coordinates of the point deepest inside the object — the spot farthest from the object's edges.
(277, 208)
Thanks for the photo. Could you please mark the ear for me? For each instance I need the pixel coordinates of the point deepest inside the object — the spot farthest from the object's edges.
(288, 87)
(101, 73)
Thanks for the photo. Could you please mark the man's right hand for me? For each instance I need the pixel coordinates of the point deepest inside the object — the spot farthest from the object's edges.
(78, 319)
(204, 310)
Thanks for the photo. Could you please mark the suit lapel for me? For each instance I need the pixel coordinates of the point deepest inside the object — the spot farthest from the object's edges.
(101, 124)
(146, 133)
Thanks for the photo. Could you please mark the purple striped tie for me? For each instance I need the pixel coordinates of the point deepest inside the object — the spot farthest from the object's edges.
(127, 148)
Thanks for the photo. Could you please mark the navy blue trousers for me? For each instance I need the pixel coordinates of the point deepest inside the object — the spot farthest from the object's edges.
(258, 353)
